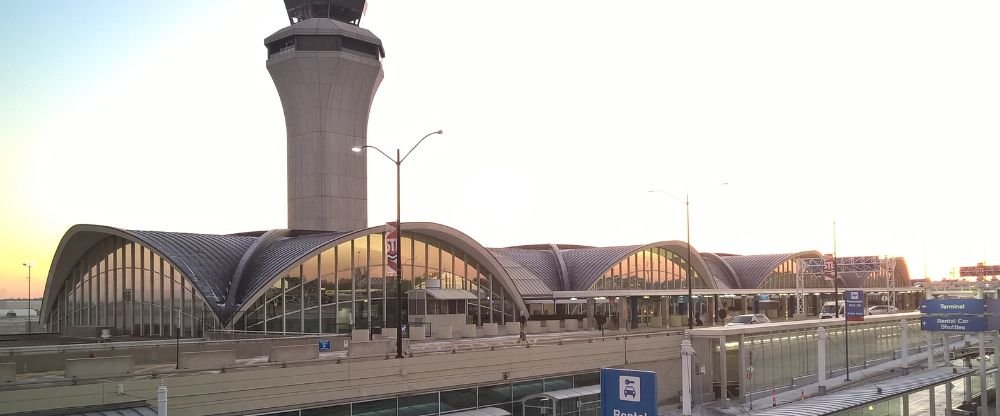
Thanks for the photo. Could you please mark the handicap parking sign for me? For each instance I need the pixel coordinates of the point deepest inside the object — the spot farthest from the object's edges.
(324, 345)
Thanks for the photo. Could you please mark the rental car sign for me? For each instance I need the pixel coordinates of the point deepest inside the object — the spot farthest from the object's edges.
(628, 392)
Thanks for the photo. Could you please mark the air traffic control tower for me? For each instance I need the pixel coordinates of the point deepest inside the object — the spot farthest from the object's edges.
(326, 69)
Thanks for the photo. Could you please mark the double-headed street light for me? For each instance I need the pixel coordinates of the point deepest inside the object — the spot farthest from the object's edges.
(687, 220)
(399, 273)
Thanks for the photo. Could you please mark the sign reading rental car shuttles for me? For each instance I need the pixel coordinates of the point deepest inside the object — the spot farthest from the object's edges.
(960, 315)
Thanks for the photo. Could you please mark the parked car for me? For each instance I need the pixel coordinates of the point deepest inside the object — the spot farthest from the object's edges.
(749, 319)
(832, 309)
(882, 310)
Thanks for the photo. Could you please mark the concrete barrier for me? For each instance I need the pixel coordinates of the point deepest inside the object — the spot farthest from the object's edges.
(368, 348)
(442, 331)
(359, 335)
(507, 330)
(491, 330)
(389, 333)
(468, 331)
(571, 324)
(417, 333)
(98, 367)
(293, 353)
(553, 325)
(8, 372)
(208, 360)
(656, 321)
(533, 327)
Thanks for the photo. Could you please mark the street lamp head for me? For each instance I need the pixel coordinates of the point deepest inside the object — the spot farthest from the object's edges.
(356, 149)
(440, 131)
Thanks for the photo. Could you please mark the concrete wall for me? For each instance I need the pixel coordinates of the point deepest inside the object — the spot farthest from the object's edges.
(553, 325)
(208, 360)
(8, 372)
(149, 352)
(294, 353)
(98, 367)
(242, 391)
(490, 330)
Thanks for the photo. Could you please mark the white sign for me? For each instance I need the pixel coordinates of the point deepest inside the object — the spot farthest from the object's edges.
(628, 389)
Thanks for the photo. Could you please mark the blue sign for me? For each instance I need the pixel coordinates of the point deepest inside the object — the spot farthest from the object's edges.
(628, 392)
(954, 306)
(324, 345)
(854, 305)
(955, 323)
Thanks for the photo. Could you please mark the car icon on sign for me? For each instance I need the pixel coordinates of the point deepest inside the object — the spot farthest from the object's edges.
(629, 391)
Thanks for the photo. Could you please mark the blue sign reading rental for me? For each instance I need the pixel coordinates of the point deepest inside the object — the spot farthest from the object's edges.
(957, 323)
(628, 392)
(854, 305)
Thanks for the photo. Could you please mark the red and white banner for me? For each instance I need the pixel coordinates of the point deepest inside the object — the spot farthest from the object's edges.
(391, 249)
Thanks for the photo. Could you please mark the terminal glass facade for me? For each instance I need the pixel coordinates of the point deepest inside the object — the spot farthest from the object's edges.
(124, 285)
(650, 269)
(345, 287)
(783, 278)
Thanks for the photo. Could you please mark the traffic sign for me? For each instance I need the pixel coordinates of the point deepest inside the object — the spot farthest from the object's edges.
(954, 306)
(954, 323)
(628, 392)
(854, 305)
(324, 345)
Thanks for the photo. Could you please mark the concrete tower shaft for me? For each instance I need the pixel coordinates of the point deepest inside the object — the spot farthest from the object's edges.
(326, 72)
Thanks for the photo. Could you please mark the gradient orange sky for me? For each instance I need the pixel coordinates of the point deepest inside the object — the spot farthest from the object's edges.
(558, 117)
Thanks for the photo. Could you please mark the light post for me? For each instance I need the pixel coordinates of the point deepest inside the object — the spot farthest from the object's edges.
(687, 220)
(399, 273)
(29, 265)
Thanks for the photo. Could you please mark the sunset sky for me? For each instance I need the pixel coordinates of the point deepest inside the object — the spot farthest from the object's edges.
(559, 116)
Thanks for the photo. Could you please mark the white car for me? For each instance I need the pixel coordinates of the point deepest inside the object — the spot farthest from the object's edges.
(882, 310)
(753, 318)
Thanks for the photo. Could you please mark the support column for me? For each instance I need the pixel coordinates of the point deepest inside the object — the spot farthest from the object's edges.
(161, 399)
(743, 371)
(665, 310)
(821, 338)
(930, 352)
(591, 306)
(948, 387)
(723, 376)
(686, 352)
(930, 402)
(996, 374)
(622, 304)
(715, 309)
(904, 346)
(968, 380)
(906, 404)
(984, 398)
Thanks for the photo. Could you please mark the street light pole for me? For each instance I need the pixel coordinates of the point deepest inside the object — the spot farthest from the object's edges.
(399, 226)
(28, 264)
(687, 219)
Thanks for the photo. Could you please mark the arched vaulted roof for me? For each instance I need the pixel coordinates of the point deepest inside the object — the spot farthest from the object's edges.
(586, 265)
(724, 275)
(752, 270)
(230, 271)
(207, 260)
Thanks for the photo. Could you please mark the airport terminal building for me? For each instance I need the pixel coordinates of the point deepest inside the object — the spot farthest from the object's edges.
(325, 273)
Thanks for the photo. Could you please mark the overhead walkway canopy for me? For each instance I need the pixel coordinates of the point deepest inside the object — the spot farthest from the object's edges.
(563, 401)
(868, 394)
(486, 411)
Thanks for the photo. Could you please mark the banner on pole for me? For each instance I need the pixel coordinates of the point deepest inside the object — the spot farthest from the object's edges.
(391, 249)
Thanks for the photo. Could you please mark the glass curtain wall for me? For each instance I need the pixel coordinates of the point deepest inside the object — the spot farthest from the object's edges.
(783, 278)
(650, 269)
(124, 285)
(506, 396)
(345, 287)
